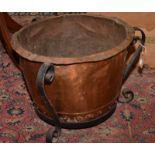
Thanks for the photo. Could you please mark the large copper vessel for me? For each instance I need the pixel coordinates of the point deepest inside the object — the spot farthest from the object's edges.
(75, 65)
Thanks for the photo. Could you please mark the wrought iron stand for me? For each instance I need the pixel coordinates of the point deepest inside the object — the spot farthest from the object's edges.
(46, 76)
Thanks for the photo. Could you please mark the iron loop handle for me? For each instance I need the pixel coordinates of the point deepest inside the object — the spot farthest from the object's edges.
(45, 76)
(136, 55)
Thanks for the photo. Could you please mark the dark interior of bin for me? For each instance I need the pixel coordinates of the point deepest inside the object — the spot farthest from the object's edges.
(72, 36)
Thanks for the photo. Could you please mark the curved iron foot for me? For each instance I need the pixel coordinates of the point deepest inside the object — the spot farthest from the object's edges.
(53, 135)
(126, 96)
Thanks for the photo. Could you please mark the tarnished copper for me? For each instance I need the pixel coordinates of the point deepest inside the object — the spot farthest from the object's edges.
(89, 56)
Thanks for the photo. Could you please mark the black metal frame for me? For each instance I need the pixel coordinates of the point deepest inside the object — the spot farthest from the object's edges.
(127, 94)
(46, 76)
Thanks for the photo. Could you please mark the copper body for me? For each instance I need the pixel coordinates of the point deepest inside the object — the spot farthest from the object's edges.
(89, 56)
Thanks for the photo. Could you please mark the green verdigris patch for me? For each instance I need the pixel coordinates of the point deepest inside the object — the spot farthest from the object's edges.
(150, 40)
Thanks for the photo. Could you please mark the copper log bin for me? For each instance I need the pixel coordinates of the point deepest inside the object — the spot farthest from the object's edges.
(75, 65)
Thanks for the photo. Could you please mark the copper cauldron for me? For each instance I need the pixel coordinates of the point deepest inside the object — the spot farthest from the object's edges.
(74, 66)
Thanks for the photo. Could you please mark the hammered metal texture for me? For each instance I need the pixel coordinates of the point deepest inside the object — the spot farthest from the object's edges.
(79, 91)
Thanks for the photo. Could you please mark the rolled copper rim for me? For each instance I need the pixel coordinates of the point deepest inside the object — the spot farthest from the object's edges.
(74, 60)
